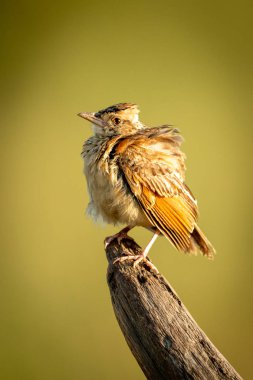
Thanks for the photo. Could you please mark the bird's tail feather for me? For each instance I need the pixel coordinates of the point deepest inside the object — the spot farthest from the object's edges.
(200, 242)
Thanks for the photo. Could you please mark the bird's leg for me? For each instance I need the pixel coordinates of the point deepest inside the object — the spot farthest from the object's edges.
(122, 234)
(143, 256)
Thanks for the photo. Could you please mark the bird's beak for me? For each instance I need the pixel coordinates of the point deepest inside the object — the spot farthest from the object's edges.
(90, 116)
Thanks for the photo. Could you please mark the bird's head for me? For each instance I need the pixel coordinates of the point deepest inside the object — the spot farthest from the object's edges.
(119, 119)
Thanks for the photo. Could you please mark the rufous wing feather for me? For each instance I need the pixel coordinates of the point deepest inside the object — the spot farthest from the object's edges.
(153, 166)
(172, 216)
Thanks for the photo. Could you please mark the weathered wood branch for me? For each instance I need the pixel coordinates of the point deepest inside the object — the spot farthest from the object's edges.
(164, 338)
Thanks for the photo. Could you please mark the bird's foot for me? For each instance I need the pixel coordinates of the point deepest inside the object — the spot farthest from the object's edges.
(137, 259)
(119, 237)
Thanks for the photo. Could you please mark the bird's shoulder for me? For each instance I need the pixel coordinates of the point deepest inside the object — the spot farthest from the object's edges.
(153, 153)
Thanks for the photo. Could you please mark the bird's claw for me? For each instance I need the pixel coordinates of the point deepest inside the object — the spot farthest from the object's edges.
(119, 237)
(137, 259)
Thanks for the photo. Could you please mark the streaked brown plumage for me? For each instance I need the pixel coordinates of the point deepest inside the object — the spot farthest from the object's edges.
(135, 176)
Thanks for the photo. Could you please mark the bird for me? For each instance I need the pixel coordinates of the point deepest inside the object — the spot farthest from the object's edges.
(136, 177)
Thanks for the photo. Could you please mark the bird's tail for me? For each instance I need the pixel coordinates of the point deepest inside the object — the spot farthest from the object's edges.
(198, 241)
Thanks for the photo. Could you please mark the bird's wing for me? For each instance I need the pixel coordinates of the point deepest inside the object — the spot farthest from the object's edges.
(153, 166)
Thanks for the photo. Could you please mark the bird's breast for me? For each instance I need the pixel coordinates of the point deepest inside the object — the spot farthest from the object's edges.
(110, 197)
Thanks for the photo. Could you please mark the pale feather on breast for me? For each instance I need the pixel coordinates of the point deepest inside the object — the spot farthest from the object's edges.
(110, 199)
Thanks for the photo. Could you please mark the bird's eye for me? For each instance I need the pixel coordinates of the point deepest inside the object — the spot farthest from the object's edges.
(116, 121)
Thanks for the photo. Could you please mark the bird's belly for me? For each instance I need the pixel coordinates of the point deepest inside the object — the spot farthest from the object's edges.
(111, 200)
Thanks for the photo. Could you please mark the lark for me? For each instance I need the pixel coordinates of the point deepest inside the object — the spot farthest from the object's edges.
(136, 177)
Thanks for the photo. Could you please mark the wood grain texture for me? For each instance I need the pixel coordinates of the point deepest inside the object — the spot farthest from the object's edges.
(162, 335)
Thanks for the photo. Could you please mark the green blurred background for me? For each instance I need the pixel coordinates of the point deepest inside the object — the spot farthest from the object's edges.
(184, 62)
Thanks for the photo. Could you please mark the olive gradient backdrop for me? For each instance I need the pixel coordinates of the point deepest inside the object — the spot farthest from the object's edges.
(184, 62)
